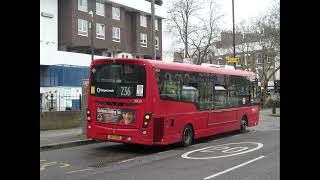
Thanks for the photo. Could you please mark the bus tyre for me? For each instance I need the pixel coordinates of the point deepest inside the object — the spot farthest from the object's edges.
(187, 135)
(243, 125)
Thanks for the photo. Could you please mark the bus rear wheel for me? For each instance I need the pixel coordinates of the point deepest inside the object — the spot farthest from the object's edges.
(243, 125)
(187, 135)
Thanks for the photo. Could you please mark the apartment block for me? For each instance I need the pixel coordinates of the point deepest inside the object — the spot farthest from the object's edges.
(113, 28)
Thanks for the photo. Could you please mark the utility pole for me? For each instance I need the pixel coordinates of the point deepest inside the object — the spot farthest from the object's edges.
(92, 45)
(234, 40)
(153, 31)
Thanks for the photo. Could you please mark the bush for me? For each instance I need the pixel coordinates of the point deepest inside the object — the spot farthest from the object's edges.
(270, 101)
(277, 102)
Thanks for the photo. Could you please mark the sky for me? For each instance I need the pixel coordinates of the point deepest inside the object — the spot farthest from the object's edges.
(243, 10)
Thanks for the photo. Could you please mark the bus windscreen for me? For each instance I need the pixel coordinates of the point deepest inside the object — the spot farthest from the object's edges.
(115, 80)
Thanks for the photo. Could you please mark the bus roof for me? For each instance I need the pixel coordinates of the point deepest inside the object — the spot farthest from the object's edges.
(179, 66)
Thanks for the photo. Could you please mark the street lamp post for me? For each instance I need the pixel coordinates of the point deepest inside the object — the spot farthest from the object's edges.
(234, 40)
(91, 27)
(153, 31)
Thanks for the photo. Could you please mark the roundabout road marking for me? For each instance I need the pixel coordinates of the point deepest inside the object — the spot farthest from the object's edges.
(225, 149)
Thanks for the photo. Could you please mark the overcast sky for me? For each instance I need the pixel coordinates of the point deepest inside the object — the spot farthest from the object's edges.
(243, 10)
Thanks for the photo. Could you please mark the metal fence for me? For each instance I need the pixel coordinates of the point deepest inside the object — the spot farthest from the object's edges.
(57, 102)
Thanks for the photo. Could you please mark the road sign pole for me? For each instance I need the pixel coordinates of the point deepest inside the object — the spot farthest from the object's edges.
(234, 41)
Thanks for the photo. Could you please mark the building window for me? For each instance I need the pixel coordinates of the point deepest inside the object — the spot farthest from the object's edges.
(83, 5)
(115, 34)
(100, 9)
(82, 27)
(157, 42)
(100, 31)
(116, 13)
(143, 40)
(269, 59)
(259, 59)
(107, 54)
(143, 20)
(122, 56)
(156, 24)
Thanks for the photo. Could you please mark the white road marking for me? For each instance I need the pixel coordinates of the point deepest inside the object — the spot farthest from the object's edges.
(44, 165)
(64, 165)
(232, 150)
(79, 170)
(217, 174)
(126, 160)
(216, 148)
(186, 155)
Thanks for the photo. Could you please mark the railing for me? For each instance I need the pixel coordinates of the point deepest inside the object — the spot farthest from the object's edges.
(57, 102)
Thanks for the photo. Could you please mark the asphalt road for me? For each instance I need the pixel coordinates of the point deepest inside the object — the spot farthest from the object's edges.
(232, 156)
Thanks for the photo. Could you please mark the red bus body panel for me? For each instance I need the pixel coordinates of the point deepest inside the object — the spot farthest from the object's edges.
(168, 117)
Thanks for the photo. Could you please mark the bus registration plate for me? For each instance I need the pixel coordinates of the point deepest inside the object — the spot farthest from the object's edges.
(114, 137)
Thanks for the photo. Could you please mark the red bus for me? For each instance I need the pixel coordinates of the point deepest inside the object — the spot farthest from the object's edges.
(151, 102)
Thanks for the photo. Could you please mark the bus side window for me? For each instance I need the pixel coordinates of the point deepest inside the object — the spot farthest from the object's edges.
(169, 85)
(243, 87)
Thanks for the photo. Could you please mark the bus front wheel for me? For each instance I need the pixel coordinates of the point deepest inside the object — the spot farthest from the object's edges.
(187, 135)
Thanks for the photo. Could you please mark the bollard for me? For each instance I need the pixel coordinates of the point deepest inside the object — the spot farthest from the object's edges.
(51, 108)
(80, 102)
(274, 108)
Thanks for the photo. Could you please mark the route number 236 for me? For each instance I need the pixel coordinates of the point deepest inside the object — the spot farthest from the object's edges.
(125, 91)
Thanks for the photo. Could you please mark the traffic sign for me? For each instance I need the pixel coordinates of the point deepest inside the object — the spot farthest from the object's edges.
(232, 60)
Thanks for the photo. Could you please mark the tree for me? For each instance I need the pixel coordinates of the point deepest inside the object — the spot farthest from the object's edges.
(246, 48)
(196, 29)
(204, 37)
(261, 40)
(269, 28)
(180, 12)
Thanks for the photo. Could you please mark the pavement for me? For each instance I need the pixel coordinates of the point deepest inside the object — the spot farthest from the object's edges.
(268, 112)
(62, 138)
(57, 139)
